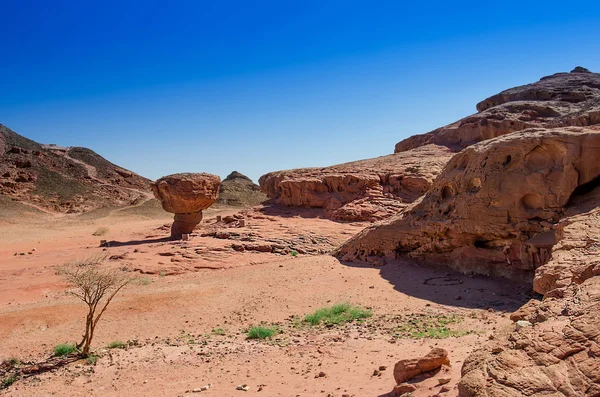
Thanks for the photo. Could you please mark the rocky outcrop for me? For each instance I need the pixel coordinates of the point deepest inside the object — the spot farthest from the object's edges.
(370, 189)
(559, 355)
(63, 179)
(186, 195)
(563, 99)
(495, 208)
(239, 190)
(362, 190)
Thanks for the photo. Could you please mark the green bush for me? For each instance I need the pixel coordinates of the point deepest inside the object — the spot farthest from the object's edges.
(64, 349)
(261, 332)
(92, 359)
(8, 381)
(337, 314)
(116, 344)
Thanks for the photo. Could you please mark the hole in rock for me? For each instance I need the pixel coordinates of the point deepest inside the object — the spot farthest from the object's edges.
(447, 192)
(584, 189)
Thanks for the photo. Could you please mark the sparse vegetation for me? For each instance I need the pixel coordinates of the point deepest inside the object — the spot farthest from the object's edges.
(261, 332)
(116, 344)
(337, 314)
(8, 381)
(12, 362)
(101, 231)
(144, 280)
(218, 331)
(294, 253)
(433, 326)
(96, 286)
(91, 359)
(64, 349)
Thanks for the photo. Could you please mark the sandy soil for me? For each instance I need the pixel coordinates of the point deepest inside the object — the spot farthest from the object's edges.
(187, 290)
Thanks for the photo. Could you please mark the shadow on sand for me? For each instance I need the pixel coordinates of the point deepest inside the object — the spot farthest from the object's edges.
(283, 211)
(446, 287)
(114, 243)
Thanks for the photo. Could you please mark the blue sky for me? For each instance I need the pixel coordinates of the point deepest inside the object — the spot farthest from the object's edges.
(255, 86)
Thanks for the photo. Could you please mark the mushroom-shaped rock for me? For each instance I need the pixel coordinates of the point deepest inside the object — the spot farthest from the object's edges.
(186, 195)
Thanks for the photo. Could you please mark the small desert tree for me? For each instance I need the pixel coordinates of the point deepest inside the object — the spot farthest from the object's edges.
(95, 285)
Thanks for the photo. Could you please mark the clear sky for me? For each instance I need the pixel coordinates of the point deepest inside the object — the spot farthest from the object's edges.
(169, 86)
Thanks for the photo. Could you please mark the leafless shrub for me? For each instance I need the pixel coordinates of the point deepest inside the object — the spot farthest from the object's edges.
(96, 286)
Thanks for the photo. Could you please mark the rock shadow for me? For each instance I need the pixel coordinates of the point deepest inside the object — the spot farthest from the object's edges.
(284, 211)
(114, 243)
(446, 287)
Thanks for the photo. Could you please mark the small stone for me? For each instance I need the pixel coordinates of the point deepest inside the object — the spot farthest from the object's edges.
(444, 380)
(382, 367)
(403, 388)
(523, 324)
(321, 375)
(243, 387)
(444, 389)
(497, 350)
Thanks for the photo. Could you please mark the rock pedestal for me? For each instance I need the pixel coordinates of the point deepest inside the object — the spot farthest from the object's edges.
(185, 224)
(186, 195)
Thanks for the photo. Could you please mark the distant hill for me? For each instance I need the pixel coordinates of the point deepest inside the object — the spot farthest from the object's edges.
(63, 179)
(239, 190)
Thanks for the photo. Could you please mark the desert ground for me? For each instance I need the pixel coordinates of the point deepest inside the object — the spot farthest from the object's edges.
(184, 319)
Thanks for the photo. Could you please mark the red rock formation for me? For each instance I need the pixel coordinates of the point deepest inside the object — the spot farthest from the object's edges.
(558, 356)
(495, 207)
(563, 99)
(186, 195)
(361, 190)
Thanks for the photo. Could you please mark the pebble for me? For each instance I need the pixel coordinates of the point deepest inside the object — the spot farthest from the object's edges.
(523, 324)
(444, 380)
(201, 389)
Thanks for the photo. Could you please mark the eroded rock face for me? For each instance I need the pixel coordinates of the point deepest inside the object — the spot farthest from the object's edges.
(563, 99)
(495, 208)
(362, 190)
(186, 195)
(558, 356)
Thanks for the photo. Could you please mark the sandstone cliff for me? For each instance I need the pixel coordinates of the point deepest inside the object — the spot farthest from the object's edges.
(361, 190)
(496, 206)
(375, 189)
(563, 99)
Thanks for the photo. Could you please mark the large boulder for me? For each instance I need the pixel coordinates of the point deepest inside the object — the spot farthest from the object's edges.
(563, 99)
(361, 190)
(186, 195)
(407, 369)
